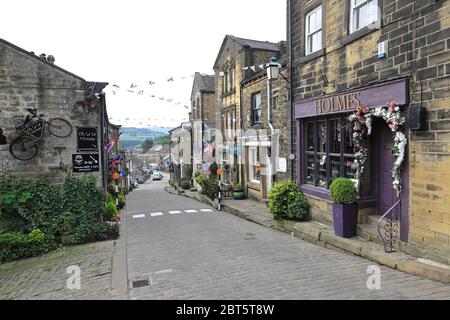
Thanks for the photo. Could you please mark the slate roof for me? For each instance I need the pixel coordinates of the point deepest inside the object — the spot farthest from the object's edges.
(206, 82)
(256, 44)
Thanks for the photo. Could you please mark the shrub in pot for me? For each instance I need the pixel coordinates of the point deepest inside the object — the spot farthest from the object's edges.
(345, 207)
(238, 192)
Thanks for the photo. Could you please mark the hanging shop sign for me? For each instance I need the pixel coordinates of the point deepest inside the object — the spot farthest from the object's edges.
(87, 139)
(282, 165)
(35, 129)
(371, 97)
(86, 162)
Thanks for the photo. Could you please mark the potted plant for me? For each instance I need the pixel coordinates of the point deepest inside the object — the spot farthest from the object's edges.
(238, 192)
(345, 207)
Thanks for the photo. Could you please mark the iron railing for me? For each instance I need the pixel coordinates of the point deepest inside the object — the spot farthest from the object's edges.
(391, 225)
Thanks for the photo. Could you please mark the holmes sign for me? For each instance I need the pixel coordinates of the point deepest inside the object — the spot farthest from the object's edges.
(372, 97)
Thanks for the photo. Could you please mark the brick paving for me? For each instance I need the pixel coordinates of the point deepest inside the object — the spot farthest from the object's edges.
(220, 256)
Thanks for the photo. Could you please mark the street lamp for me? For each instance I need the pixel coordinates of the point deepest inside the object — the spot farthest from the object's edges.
(273, 69)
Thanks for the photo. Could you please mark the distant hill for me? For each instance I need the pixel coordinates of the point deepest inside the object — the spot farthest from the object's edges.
(133, 137)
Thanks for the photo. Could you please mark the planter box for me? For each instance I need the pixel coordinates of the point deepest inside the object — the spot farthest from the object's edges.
(239, 195)
(345, 219)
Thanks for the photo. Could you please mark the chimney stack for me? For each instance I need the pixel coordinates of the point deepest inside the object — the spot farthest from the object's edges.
(51, 59)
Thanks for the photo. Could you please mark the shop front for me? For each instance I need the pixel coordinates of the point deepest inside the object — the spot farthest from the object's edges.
(326, 151)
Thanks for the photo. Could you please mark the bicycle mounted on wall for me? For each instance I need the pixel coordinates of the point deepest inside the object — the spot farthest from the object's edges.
(31, 131)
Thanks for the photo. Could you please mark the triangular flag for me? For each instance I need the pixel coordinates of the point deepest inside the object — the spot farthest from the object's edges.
(253, 68)
(261, 66)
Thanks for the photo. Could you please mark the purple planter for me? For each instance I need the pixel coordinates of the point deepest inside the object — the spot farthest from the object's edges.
(345, 217)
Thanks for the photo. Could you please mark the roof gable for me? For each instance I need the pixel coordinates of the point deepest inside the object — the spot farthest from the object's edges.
(247, 43)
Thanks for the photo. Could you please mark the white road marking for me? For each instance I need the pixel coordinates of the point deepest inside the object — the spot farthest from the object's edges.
(175, 212)
(206, 210)
(157, 214)
(139, 216)
(190, 211)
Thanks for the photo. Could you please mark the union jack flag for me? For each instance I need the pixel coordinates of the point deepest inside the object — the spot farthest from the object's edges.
(115, 162)
(208, 148)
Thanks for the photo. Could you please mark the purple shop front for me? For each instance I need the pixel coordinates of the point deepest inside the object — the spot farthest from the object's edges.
(318, 154)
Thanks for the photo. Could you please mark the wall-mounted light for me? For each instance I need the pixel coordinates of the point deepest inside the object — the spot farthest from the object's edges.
(273, 69)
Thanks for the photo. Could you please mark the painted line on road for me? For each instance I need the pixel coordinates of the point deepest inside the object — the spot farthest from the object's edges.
(190, 211)
(206, 210)
(175, 212)
(139, 216)
(157, 214)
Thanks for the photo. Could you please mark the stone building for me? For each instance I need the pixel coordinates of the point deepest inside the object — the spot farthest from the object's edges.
(31, 82)
(351, 53)
(258, 173)
(237, 60)
(181, 152)
(203, 118)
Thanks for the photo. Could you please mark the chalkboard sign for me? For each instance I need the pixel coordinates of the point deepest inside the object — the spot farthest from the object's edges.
(87, 139)
(35, 129)
(86, 162)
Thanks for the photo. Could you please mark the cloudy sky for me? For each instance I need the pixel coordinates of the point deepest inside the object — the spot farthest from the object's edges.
(138, 42)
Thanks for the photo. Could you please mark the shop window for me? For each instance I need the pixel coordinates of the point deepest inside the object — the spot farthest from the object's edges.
(313, 31)
(254, 166)
(256, 108)
(329, 151)
(362, 13)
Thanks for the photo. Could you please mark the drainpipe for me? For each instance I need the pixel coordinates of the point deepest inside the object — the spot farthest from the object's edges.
(102, 140)
(273, 137)
(291, 102)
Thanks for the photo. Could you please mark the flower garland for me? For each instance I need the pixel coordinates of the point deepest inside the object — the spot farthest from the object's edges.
(362, 121)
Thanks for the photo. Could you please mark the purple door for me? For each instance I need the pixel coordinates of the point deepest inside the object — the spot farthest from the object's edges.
(386, 194)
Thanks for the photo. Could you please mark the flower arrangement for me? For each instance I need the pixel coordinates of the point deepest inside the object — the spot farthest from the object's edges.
(362, 125)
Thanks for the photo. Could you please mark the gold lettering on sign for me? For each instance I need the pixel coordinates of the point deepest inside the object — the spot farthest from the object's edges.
(317, 105)
(338, 103)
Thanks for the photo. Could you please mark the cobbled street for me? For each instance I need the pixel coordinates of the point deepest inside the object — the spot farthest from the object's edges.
(190, 251)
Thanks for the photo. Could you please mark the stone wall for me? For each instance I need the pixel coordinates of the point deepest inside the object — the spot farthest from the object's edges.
(418, 35)
(26, 81)
(279, 114)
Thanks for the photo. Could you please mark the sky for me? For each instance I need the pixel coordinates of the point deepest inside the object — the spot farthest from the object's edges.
(136, 42)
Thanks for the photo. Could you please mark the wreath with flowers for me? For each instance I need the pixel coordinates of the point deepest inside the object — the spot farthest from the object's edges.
(362, 121)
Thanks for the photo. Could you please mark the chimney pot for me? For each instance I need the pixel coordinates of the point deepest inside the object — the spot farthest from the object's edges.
(51, 59)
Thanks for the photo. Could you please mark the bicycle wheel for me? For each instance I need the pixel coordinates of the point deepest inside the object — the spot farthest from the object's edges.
(23, 148)
(60, 128)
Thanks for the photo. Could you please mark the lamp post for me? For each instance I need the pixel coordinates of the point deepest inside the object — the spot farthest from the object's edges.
(273, 73)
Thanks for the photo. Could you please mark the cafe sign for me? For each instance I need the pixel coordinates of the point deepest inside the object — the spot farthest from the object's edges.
(372, 97)
(83, 163)
(87, 140)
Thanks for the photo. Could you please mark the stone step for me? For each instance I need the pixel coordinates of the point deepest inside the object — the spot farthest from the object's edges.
(369, 231)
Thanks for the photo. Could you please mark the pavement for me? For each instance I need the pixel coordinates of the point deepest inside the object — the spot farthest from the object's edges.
(173, 247)
(46, 277)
